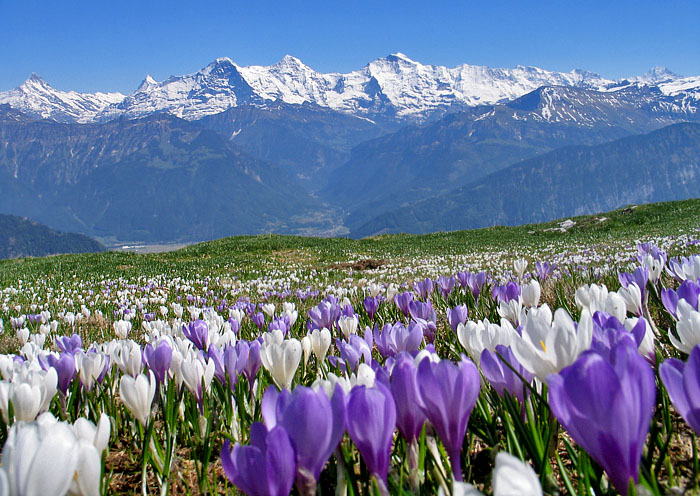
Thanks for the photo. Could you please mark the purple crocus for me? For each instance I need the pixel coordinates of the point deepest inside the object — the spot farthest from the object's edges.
(607, 331)
(640, 277)
(457, 315)
(446, 285)
(217, 357)
(259, 320)
(198, 333)
(371, 420)
(283, 324)
(606, 406)
(352, 351)
(158, 359)
(315, 425)
(323, 315)
(393, 339)
(449, 393)
(403, 301)
(476, 283)
(688, 291)
(235, 361)
(65, 369)
(682, 381)
(501, 376)
(544, 270)
(507, 292)
(264, 468)
(404, 388)
(423, 314)
(424, 288)
(69, 344)
(371, 305)
(254, 361)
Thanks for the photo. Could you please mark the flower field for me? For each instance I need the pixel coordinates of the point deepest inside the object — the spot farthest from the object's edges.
(559, 358)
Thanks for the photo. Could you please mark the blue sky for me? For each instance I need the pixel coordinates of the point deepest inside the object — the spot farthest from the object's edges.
(111, 46)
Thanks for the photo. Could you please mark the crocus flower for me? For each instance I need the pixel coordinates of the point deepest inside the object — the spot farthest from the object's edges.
(32, 451)
(264, 468)
(511, 477)
(314, 423)
(530, 293)
(393, 339)
(688, 291)
(351, 352)
(544, 270)
(69, 344)
(198, 333)
(65, 369)
(640, 277)
(606, 406)
(92, 367)
(404, 388)
(687, 327)
(402, 301)
(682, 381)
(476, 282)
(137, 395)
(254, 361)
(371, 420)
(197, 376)
(446, 285)
(507, 292)
(449, 393)
(281, 358)
(158, 359)
(547, 346)
(476, 337)
(320, 342)
(501, 376)
(371, 305)
(423, 314)
(424, 288)
(323, 315)
(457, 315)
(348, 325)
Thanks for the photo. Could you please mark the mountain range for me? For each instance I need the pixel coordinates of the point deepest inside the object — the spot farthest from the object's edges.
(242, 150)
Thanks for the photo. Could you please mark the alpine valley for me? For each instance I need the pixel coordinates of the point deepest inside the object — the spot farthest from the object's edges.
(395, 146)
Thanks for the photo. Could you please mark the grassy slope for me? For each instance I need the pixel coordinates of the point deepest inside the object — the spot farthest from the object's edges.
(246, 256)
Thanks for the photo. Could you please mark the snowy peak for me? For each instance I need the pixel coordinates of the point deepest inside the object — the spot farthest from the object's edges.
(37, 99)
(394, 88)
(658, 74)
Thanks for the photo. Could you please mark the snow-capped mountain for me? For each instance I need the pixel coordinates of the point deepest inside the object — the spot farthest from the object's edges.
(391, 88)
(37, 99)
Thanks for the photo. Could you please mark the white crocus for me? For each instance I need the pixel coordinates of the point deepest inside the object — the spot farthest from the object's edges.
(687, 327)
(476, 337)
(633, 298)
(511, 477)
(35, 450)
(616, 306)
(520, 266)
(655, 266)
(31, 394)
(269, 309)
(591, 298)
(320, 342)
(127, 355)
(511, 310)
(196, 374)
(348, 325)
(306, 349)
(122, 328)
(531, 293)
(90, 366)
(97, 435)
(646, 347)
(137, 395)
(280, 357)
(547, 346)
